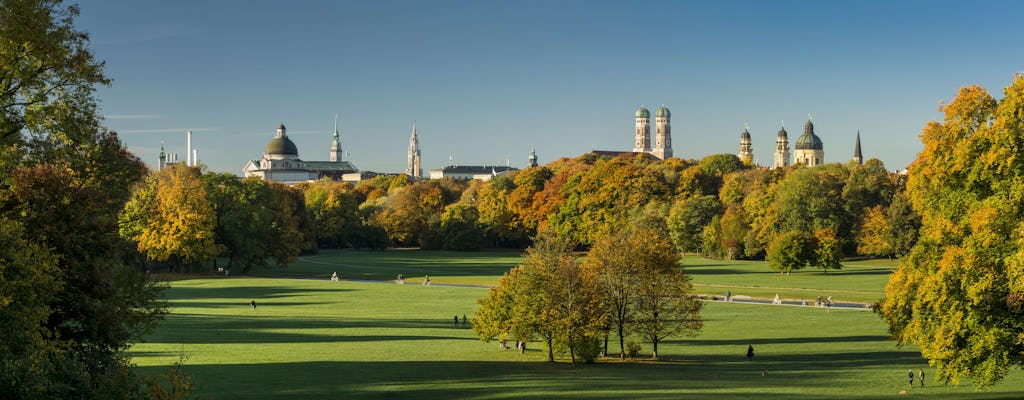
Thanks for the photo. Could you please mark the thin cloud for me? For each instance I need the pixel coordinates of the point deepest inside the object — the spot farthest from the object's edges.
(133, 116)
(166, 130)
(149, 33)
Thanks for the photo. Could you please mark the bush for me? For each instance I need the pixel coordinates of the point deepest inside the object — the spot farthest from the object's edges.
(633, 349)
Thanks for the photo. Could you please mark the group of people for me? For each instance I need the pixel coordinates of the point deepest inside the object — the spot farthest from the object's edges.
(465, 321)
(910, 377)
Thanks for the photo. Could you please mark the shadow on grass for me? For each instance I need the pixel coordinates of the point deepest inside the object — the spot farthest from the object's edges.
(203, 329)
(813, 339)
(245, 292)
(525, 380)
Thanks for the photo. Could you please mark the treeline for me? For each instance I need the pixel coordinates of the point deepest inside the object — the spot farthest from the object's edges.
(718, 207)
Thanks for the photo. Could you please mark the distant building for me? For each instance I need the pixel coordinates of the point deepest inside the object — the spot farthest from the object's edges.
(746, 153)
(413, 167)
(662, 148)
(281, 163)
(857, 158)
(532, 160)
(781, 148)
(470, 172)
(810, 151)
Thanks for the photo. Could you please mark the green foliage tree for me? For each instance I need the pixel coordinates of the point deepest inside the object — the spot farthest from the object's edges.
(790, 251)
(876, 233)
(721, 164)
(460, 228)
(959, 294)
(62, 182)
(687, 219)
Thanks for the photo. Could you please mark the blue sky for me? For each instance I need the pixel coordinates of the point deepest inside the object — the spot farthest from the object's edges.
(485, 80)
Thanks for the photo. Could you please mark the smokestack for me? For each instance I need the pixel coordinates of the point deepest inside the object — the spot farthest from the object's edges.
(188, 152)
(195, 157)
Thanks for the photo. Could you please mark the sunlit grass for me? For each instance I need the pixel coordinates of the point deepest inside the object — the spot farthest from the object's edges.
(321, 339)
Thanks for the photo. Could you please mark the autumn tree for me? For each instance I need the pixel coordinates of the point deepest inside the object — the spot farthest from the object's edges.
(549, 297)
(664, 305)
(959, 294)
(180, 220)
(617, 280)
(334, 211)
(828, 252)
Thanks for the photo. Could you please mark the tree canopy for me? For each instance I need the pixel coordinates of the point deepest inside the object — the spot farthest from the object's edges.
(959, 293)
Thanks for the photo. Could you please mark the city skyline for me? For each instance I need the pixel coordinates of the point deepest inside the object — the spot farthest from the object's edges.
(486, 81)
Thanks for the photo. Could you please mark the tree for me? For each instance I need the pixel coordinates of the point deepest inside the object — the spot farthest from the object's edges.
(617, 280)
(290, 230)
(181, 221)
(959, 294)
(687, 219)
(876, 233)
(790, 251)
(334, 211)
(62, 182)
(665, 305)
(721, 164)
(828, 253)
(460, 228)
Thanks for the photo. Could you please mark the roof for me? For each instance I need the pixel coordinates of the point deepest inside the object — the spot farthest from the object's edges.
(809, 141)
(663, 113)
(330, 166)
(626, 154)
(282, 146)
(475, 169)
(642, 113)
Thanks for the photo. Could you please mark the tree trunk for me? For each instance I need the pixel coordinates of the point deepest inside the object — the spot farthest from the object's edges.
(622, 344)
(572, 354)
(605, 352)
(551, 351)
(655, 347)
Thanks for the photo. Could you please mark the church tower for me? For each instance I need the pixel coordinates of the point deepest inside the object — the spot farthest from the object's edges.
(642, 133)
(336, 143)
(163, 158)
(663, 134)
(781, 148)
(413, 169)
(810, 151)
(746, 153)
(532, 161)
(856, 151)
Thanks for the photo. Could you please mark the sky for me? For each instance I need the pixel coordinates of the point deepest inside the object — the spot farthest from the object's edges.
(486, 80)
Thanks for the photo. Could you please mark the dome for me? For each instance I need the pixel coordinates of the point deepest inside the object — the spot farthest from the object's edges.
(663, 113)
(809, 141)
(782, 133)
(745, 134)
(642, 113)
(282, 146)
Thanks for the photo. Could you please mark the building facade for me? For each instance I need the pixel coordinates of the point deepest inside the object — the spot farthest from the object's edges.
(746, 153)
(413, 167)
(662, 148)
(281, 163)
(781, 148)
(810, 151)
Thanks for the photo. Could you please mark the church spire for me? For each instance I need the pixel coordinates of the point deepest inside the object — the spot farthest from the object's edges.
(413, 168)
(335, 143)
(857, 158)
(532, 162)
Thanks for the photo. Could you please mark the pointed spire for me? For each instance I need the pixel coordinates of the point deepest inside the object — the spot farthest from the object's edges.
(856, 150)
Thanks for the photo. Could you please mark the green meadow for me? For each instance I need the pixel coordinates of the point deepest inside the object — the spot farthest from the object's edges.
(367, 338)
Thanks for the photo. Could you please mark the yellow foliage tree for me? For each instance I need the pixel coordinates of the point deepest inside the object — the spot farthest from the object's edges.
(959, 294)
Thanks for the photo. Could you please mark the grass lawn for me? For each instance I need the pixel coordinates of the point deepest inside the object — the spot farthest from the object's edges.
(319, 339)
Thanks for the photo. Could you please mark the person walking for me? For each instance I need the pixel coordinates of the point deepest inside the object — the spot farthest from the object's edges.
(750, 353)
(253, 304)
(456, 321)
(920, 376)
(910, 377)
